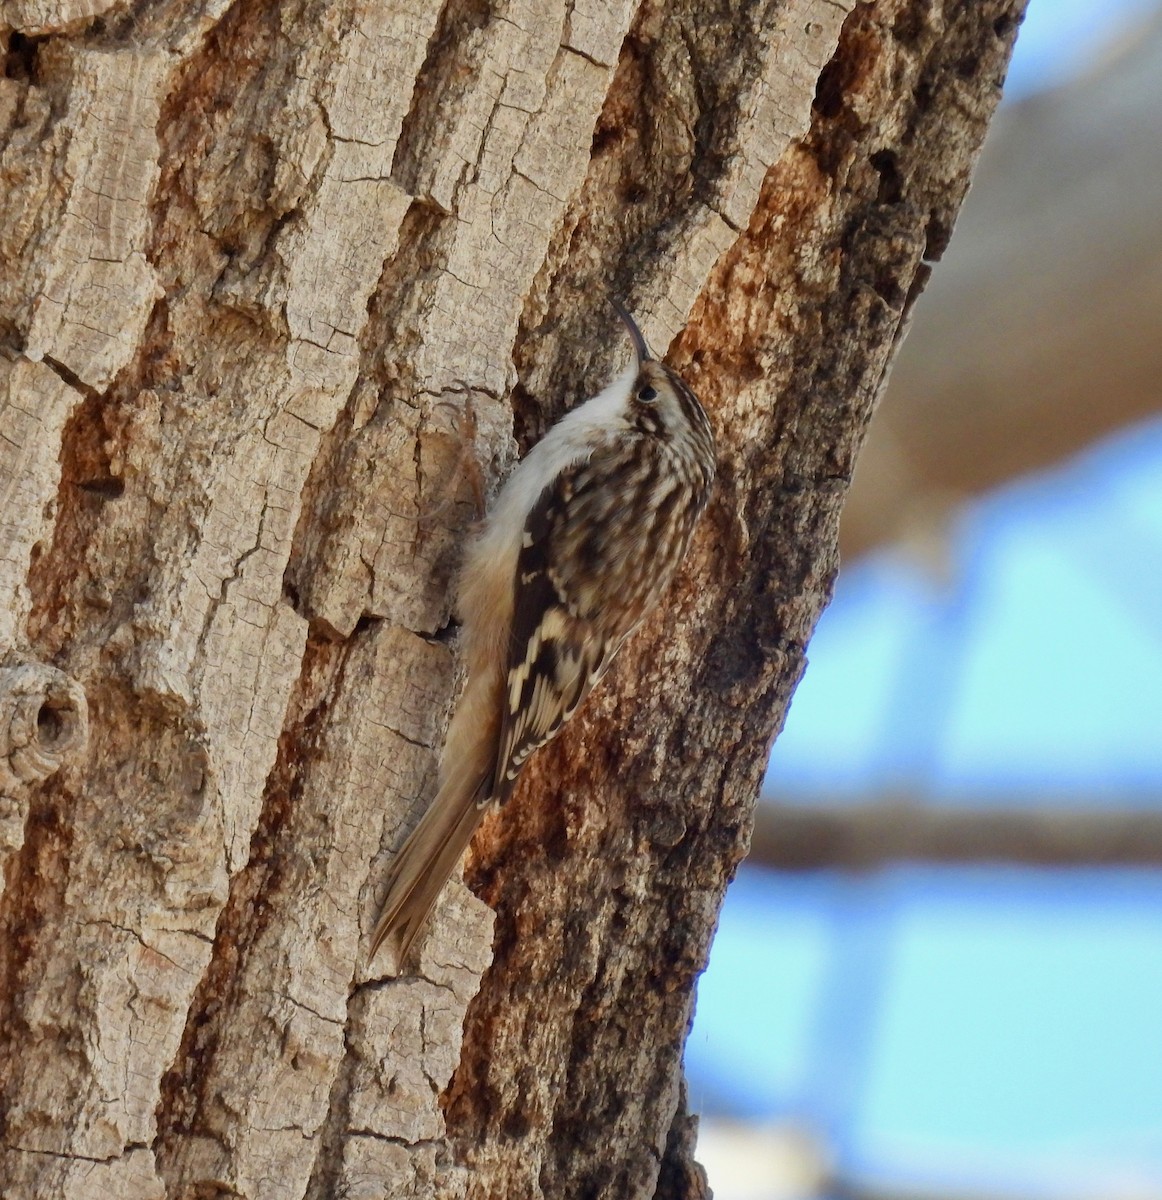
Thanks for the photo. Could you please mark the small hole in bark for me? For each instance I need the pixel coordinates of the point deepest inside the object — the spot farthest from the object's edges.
(10, 336)
(908, 26)
(923, 95)
(365, 622)
(604, 136)
(891, 184)
(516, 1124)
(20, 59)
(829, 90)
(50, 726)
(107, 489)
(968, 66)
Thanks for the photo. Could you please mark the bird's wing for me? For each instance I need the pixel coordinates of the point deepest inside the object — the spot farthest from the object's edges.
(557, 651)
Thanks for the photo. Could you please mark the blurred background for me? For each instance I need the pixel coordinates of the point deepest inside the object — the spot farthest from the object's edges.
(939, 975)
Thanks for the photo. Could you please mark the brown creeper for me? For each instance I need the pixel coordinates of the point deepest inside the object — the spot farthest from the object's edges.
(582, 540)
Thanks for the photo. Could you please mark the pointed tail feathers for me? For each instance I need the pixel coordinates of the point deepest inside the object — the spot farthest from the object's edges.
(425, 862)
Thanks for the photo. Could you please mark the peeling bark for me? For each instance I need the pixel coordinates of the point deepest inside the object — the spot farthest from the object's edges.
(271, 273)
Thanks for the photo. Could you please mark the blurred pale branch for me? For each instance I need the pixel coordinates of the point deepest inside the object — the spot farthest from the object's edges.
(1042, 330)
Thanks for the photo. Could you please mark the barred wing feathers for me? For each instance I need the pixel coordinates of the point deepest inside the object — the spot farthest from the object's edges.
(558, 649)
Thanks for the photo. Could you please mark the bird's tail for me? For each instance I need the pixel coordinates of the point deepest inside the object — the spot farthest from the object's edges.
(426, 861)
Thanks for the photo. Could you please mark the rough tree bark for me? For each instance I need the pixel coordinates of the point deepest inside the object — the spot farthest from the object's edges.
(268, 270)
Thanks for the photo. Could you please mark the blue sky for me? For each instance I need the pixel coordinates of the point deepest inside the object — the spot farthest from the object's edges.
(1060, 38)
(1018, 1028)
(971, 1024)
(1039, 671)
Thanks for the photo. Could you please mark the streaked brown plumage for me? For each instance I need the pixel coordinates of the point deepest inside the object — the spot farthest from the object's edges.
(581, 542)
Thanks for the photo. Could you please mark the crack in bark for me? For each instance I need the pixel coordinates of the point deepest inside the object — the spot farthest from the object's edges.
(129, 1148)
(70, 377)
(438, 84)
(138, 937)
(244, 917)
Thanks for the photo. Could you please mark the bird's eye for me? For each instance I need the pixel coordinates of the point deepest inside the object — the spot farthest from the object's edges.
(647, 393)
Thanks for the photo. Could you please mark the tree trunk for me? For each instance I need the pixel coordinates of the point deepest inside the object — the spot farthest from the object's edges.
(274, 276)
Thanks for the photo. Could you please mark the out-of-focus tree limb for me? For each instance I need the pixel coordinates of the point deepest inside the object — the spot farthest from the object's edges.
(872, 835)
(1042, 331)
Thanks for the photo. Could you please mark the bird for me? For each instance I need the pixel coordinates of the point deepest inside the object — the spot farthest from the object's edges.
(580, 543)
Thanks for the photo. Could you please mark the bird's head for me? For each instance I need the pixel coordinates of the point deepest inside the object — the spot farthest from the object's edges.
(659, 401)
